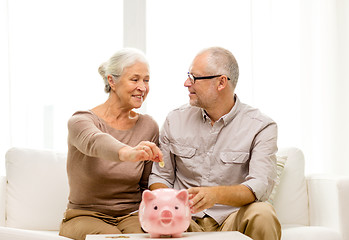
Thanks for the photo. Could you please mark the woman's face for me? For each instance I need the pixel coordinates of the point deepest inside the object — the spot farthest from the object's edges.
(133, 85)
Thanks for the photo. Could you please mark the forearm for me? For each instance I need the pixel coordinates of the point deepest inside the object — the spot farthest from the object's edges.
(157, 185)
(202, 198)
(237, 195)
(99, 145)
(91, 141)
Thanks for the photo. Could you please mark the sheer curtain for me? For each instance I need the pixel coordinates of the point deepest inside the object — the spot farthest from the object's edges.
(301, 54)
(5, 137)
(51, 69)
(324, 84)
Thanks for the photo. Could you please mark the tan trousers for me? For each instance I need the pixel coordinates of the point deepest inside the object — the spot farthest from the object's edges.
(78, 223)
(256, 220)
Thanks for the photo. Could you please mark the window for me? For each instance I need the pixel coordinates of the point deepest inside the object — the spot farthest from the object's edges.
(55, 50)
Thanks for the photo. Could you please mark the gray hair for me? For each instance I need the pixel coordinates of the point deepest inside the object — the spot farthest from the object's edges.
(118, 62)
(222, 61)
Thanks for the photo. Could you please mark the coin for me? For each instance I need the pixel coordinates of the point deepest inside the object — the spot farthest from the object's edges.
(161, 164)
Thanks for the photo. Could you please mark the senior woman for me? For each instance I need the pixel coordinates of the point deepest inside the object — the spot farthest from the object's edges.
(110, 153)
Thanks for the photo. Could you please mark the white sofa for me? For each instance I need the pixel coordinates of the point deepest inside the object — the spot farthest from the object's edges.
(33, 198)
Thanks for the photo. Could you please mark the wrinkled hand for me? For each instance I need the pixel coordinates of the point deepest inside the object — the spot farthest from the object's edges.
(201, 198)
(145, 150)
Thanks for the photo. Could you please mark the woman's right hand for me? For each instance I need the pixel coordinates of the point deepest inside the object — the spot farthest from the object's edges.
(145, 150)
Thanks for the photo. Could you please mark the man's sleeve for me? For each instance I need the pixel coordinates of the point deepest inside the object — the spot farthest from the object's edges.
(166, 174)
(262, 168)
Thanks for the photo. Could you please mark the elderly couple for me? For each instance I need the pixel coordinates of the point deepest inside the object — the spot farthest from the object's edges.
(220, 149)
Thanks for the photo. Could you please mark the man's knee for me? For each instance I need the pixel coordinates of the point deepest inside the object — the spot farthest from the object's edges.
(259, 219)
(260, 213)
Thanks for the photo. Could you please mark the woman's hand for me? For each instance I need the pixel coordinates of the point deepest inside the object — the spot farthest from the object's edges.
(145, 150)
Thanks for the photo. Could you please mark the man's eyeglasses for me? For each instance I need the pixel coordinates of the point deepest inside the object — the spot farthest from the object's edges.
(193, 78)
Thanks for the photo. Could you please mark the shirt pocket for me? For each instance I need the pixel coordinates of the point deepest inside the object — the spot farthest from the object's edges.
(233, 167)
(182, 151)
(234, 157)
(187, 163)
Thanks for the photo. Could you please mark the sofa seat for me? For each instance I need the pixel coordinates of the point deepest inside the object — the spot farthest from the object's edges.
(292, 232)
(34, 195)
(8, 233)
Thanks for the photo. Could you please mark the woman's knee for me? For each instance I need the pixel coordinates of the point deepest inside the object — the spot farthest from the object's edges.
(77, 228)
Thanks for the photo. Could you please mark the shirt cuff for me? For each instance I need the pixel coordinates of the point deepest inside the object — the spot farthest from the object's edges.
(156, 179)
(259, 189)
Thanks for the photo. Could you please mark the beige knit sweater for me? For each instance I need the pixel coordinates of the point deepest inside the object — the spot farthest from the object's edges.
(98, 180)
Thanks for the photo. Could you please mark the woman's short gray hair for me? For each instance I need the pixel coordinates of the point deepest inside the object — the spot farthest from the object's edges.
(118, 62)
(222, 61)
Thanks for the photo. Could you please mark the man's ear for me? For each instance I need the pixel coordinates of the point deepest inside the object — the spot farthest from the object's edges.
(223, 82)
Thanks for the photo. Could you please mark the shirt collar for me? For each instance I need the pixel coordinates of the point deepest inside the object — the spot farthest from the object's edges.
(204, 115)
(227, 118)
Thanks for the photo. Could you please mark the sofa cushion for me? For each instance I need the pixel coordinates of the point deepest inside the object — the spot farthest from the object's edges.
(291, 198)
(280, 165)
(37, 188)
(2, 200)
(20, 234)
(309, 233)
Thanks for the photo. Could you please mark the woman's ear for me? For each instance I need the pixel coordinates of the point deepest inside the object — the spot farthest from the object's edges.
(111, 82)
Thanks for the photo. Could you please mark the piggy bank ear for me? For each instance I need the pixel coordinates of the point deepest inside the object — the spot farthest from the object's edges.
(148, 196)
(183, 196)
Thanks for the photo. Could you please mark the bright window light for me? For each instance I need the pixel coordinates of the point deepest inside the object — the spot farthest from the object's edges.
(55, 50)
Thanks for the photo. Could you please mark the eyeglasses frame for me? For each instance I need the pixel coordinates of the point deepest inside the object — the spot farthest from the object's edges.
(193, 78)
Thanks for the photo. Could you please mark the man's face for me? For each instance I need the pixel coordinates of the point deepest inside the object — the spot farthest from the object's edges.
(202, 93)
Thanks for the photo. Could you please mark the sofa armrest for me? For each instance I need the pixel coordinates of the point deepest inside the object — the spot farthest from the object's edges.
(328, 202)
(343, 193)
(2, 200)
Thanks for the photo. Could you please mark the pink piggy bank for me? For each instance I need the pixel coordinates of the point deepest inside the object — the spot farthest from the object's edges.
(165, 211)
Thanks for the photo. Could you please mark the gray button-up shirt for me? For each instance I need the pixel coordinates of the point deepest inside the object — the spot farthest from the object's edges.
(238, 149)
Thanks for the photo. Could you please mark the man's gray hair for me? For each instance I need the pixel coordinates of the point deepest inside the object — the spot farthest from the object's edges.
(118, 62)
(222, 61)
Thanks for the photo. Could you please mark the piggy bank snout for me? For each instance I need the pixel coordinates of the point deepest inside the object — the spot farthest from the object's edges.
(166, 214)
(166, 217)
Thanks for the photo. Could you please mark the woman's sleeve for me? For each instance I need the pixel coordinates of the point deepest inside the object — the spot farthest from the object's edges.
(88, 139)
(148, 164)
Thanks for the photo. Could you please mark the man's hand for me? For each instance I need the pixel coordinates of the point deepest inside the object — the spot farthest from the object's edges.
(145, 150)
(201, 198)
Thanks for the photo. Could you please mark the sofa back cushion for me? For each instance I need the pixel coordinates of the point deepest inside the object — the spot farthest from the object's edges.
(37, 188)
(291, 197)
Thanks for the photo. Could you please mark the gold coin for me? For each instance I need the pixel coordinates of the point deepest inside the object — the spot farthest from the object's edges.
(161, 164)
